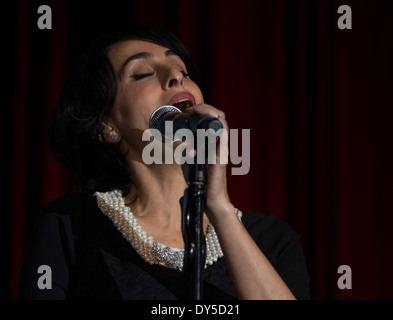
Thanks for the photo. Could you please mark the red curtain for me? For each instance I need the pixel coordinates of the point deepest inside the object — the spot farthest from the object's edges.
(318, 101)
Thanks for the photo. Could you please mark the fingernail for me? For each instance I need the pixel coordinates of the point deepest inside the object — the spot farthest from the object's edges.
(197, 106)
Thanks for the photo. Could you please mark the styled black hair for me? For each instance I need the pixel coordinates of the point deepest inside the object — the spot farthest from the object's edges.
(86, 98)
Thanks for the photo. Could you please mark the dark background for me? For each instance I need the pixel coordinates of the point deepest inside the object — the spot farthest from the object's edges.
(318, 101)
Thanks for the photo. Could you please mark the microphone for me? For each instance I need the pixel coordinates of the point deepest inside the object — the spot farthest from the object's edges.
(181, 121)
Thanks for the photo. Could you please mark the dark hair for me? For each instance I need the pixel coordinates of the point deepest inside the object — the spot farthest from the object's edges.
(86, 98)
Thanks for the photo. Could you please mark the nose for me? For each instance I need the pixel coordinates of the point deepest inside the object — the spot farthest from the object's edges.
(173, 78)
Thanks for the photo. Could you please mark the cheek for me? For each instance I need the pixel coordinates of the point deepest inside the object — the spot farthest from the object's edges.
(134, 106)
(196, 92)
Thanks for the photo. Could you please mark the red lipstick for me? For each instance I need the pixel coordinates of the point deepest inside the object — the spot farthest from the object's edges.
(183, 100)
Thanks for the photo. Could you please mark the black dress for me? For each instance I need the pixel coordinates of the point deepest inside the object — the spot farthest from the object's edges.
(89, 258)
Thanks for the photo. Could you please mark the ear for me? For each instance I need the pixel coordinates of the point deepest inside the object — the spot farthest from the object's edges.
(111, 135)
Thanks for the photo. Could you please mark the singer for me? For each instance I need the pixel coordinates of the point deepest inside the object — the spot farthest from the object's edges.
(119, 236)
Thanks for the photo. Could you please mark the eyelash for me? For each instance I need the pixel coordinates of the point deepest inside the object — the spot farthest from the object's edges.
(185, 74)
(140, 76)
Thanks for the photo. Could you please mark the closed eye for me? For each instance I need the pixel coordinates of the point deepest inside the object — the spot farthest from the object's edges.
(185, 74)
(140, 76)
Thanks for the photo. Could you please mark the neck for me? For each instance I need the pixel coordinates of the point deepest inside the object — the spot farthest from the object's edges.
(156, 189)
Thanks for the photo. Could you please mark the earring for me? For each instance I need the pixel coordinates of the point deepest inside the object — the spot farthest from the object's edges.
(114, 136)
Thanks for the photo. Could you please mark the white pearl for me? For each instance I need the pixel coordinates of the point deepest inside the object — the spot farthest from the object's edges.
(112, 205)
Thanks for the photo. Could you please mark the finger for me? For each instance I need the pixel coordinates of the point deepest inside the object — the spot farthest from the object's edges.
(205, 109)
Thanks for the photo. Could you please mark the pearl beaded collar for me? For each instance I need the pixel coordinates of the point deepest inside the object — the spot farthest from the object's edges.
(113, 206)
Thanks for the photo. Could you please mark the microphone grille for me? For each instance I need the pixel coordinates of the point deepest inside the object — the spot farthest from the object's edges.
(156, 116)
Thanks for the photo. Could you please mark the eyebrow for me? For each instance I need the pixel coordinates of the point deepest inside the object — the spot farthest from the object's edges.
(142, 55)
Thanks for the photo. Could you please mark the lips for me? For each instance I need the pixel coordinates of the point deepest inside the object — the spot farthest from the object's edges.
(182, 100)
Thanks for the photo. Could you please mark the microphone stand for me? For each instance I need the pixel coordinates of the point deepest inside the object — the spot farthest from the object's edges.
(193, 207)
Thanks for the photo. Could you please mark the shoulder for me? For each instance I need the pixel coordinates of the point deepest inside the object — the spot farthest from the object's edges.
(74, 206)
(64, 210)
(72, 212)
(69, 203)
(274, 236)
(52, 243)
(268, 226)
(280, 244)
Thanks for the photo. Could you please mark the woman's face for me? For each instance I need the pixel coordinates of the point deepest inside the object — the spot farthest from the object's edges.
(149, 76)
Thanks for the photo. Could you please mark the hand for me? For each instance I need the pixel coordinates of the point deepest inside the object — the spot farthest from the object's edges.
(217, 194)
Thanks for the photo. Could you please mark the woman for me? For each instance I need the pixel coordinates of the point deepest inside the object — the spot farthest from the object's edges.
(121, 237)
